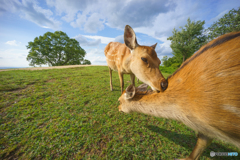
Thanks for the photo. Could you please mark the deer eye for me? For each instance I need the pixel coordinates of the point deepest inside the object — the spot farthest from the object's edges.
(144, 60)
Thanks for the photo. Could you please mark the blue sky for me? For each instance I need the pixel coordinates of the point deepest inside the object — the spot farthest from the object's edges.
(95, 23)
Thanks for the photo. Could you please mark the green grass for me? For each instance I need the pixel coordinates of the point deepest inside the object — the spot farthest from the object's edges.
(72, 114)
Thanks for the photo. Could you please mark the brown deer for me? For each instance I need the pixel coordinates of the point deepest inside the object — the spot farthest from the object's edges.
(204, 94)
(134, 59)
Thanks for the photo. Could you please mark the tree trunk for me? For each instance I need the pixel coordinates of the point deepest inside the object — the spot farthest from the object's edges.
(49, 61)
(64, 63)
(183, 58)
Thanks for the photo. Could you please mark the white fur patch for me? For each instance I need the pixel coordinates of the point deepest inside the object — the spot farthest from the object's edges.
(232, 109)
(110, 54)
(152, 88)
(110, 60)
(125, 95)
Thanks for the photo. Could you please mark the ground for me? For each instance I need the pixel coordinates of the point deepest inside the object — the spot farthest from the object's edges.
(54, 67)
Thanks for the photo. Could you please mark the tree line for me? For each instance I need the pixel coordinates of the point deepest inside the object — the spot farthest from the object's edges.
(192, 36)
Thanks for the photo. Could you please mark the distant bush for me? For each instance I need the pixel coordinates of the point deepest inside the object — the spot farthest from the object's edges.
(169, 70)
(176, 65)
(173, 62)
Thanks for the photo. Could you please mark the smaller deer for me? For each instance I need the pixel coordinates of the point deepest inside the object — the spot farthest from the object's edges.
(131, 58)
(204, 94)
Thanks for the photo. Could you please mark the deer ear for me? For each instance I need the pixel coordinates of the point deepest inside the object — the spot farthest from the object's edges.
(154, 46)
(130, 92)
(130, 38)
(142, 87)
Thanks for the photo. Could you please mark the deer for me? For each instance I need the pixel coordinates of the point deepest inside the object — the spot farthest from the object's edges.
(136, 60)
(204, 94)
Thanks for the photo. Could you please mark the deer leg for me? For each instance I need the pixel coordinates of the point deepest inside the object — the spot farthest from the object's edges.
(202, 143)
(110, 73)
(121, 81)
(132, 79)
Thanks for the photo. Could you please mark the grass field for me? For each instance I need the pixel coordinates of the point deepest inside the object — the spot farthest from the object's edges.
(72, 114)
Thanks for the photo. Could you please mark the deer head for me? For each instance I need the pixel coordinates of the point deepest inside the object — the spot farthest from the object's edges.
(144, 62)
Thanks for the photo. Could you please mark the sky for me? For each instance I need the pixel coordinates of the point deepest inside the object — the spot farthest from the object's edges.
(95, 23)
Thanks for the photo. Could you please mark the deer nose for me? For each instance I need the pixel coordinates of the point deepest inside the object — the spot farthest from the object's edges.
(164, 85)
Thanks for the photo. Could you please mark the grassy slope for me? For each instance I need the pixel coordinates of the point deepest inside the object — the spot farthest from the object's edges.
(72, 114)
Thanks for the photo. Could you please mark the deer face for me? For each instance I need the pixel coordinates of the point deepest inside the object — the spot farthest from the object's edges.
(144, 62)
(145, 65)
(128, 96)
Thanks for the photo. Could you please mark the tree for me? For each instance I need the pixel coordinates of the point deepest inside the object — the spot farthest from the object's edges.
(85, 61)
(171, 62)
(55, 49)
(187, 41)
(165, 61)
(230, 22)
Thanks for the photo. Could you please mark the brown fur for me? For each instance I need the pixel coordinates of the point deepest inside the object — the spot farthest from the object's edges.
(127, 59)
(204, 94)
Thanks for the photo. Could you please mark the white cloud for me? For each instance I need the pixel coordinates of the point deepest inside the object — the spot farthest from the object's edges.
(93, 14)
(13, 58)
(88, 40)
(90, 24)
(84, 42)
(13, 43)
(96, 56)
(220, 15)
(104, 40)
(94, 23)
(95, 52)
(119, 39)
(31, 11)
(70, 8)
(136, 13)
(81, 19)
(163, 50)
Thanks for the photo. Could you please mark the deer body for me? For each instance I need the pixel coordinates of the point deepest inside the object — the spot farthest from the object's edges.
(131, 58)
(118, 57)
(204, 94)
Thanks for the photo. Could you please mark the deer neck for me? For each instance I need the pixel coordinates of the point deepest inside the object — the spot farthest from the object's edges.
(127, 63)
(163, 105)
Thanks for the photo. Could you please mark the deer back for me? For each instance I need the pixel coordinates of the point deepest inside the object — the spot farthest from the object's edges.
(118, 57)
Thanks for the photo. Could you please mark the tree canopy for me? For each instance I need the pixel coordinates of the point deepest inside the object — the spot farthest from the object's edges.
(85, 61)
(187, 41)
(171, 62)
(55, 49)
(230, 22)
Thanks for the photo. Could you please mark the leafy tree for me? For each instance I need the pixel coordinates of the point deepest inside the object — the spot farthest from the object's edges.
(171, 62)
(165, 61)
(187, 41)
(55, 49)
(230, 22)
(85, 61)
